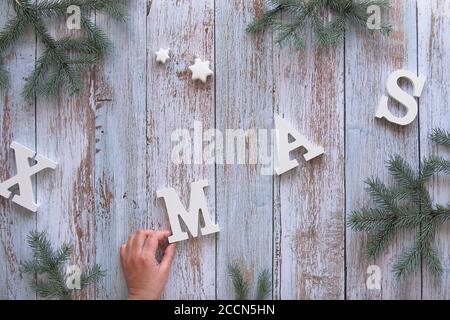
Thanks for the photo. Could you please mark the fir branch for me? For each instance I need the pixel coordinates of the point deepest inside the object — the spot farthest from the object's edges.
(380, 194)
(401, 171)
(54, 8)
(441, 214)
(12, 32)
(410, 259)
(368, 219)
(264, 287)
(49, 291)
(240, 285)
(410, 183)
(380, 239)
(416, 212)
(92, 275)
(3, 76)
(84, 45)
(96, 37)
(407, 261)
(411, 219)
(47, 268)
(41, 248)
(441, 137)
(63, 254)
(300, 14)
(37, 77)
(432, 165)
(432, 261)
(63, 60)
(71, 78)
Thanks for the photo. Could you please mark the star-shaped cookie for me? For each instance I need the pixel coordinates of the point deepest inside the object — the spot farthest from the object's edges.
(200, 70)
(162, 55)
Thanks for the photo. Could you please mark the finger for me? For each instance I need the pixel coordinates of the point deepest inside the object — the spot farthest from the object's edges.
(138, 240)
(128, 245)
(163, 235)
(169, 255)
(123, 248)
(150, 247)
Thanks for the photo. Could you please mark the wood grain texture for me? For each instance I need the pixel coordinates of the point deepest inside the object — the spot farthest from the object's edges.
(370, 141)
(434, 63)
(120, 152)
(113, 146)
(174, 101)
(65, 133)
(245, 101)
(17, 122)
(309, 248)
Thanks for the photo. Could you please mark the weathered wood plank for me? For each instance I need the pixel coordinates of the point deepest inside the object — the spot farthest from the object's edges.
(434, 63)
(370, 141)
(309, 204)
(175, 102)
(17, 123)
(244, 101)
(65, 127)
(113, 148)
(120, 132)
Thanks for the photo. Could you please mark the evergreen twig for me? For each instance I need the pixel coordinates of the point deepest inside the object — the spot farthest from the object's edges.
(290, 18)
(3, 76)
(47, 268)
(441, 137)
(407, 205)
(241, 285)
(63, 60)
(264, 287)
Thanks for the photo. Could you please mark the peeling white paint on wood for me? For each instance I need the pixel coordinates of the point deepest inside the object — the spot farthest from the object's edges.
(113, 147)
(17, 122)
(370, 141)
(434, 62)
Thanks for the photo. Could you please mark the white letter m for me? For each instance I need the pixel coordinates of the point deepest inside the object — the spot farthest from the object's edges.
(176, 210)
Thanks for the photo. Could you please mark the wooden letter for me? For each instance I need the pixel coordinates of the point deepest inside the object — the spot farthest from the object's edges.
(284, 147)
(176, 210)
(23, 177)
(402, 97)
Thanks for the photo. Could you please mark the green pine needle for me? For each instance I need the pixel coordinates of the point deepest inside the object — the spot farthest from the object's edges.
(54, 8)
(3, 77)
(264, 286)
(47, 268)
(406, 206)
(441, 137)
(92, 275)
(401, 171)
(241, 285)
(63, 60)
(407, 262)
(12, 32)
(290, 18)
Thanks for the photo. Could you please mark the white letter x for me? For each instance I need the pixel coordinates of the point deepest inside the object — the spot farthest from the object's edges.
(23, 177)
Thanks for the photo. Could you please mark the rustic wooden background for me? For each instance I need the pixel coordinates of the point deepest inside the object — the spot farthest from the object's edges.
(113, 147)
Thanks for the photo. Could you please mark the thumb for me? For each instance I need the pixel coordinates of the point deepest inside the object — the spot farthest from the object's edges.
(169, 255)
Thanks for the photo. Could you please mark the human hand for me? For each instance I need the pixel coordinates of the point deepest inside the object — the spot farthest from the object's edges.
(145, 277)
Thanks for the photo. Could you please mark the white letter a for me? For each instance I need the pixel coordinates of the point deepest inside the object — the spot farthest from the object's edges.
(284, 147)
